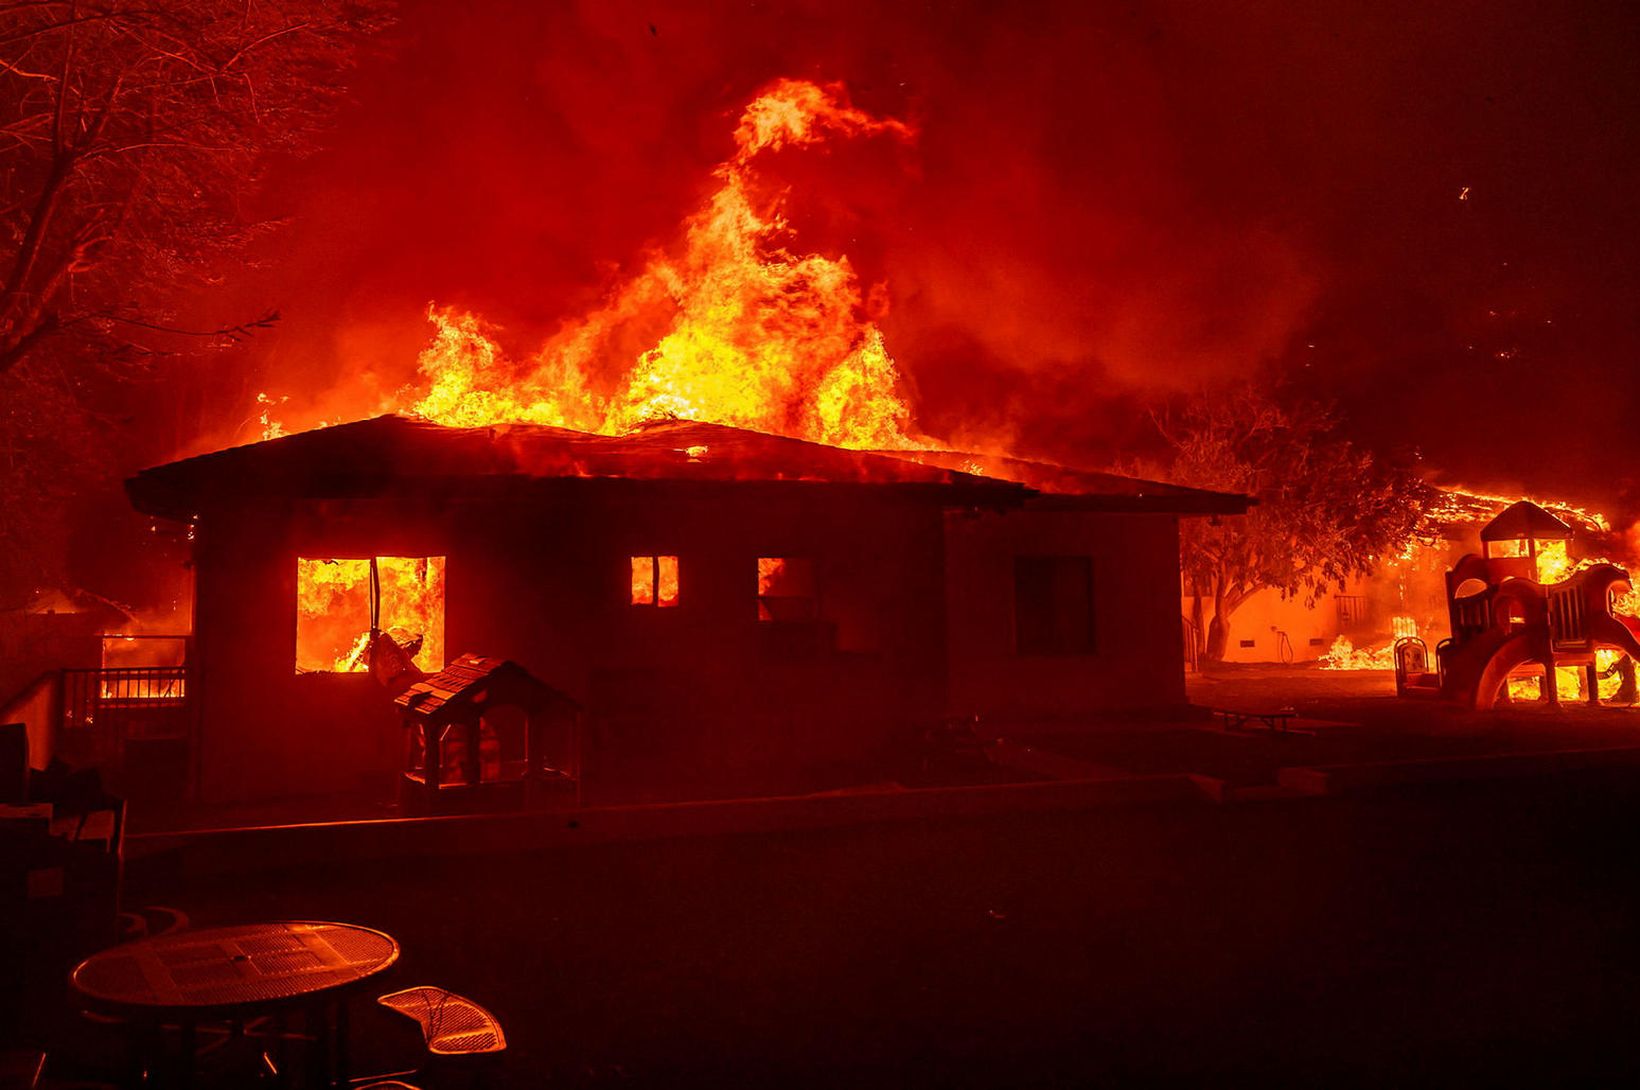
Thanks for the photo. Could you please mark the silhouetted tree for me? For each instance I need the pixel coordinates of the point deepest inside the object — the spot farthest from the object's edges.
(1327, 510)
(130, 133)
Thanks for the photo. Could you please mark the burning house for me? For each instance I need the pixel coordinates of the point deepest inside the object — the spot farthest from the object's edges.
(734, 611)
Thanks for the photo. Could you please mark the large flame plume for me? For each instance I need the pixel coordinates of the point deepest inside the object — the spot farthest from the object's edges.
(751, 332)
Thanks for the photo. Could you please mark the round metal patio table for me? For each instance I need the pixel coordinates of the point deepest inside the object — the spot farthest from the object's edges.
(238, 973)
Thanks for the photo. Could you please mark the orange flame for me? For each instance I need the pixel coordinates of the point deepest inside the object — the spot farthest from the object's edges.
(655, 581)
(755, 334)
(1570, 681)
(333, 611)
(1344, 655)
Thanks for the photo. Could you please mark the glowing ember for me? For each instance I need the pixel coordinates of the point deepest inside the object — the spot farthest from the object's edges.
(333, 611)
(755, 334)
(271, 428)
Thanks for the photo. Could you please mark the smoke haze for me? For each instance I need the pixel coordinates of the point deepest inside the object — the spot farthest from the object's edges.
(1422, 212)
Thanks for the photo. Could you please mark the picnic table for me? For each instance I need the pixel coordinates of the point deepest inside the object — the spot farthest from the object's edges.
(1277, 721)
(235, 974)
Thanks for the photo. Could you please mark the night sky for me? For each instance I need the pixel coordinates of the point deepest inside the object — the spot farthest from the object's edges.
(1426, 212)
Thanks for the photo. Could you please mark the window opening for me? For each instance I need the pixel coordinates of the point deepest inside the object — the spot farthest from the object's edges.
(786, 589)
(655, 581)
(1053, 605)
(340, 602)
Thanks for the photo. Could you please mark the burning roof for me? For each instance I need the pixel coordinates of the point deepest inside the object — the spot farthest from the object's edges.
(396, 454)
(1062, 486)
(1457, 512)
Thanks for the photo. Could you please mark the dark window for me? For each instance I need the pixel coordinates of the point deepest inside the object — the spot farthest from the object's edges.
(785, 588)
(1053, 605)
(1249, 643)
(1317, 641)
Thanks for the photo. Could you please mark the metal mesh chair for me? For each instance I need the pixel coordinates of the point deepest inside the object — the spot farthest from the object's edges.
(450, 1024)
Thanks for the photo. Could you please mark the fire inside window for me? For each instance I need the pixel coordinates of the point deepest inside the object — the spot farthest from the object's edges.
(337, 599)
(655, 581)
(1053, 605)
(785, 588)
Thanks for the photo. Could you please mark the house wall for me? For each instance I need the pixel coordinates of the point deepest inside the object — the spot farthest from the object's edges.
(1279, 629)
(702, 698)
(1138, 662)
(1413, 587)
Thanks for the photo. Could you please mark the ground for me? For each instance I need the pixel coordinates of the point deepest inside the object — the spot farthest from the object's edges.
(1454, 934)
(1467, 935)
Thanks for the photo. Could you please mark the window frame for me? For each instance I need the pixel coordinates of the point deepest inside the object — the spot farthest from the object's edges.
(766, 616)
(372, 606)
(656, 581)
(1054, 648)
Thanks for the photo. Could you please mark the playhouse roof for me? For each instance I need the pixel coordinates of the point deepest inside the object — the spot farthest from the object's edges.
(394, 454)
(1525, 519)
(476, 681)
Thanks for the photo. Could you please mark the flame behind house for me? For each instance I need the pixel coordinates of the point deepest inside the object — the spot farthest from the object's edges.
(738, 325)
(754, 332)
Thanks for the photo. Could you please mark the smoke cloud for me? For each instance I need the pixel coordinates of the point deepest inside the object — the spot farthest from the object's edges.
(1101, 203)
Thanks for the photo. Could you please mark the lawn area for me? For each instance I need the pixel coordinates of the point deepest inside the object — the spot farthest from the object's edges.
(1474, 933)
(1344, 717)
(1449, 934)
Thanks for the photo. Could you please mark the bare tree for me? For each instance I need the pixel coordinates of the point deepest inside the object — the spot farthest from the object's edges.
(129, 130)
(1327, 510)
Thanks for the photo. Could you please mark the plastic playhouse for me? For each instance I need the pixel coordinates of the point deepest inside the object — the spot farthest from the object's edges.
(1509, 621)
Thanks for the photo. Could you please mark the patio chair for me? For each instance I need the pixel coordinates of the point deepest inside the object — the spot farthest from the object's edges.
(151, 921)
(462, 1037)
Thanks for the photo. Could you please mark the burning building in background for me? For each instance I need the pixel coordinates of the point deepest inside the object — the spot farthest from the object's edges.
(1526, 619)
(1354, 627)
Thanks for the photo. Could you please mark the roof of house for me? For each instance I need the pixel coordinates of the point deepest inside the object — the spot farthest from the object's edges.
(1082, 489)
(395, 454)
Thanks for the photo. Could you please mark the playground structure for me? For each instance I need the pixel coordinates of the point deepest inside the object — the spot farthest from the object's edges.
(1513, 616)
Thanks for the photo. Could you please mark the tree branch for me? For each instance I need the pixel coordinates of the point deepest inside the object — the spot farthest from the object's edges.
(238, 332)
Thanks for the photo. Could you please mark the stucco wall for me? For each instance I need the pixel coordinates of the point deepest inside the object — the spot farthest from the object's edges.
(1137, 663)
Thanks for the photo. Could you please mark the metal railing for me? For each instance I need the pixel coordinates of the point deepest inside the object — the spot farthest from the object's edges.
(1352, 609)
(105, 710)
